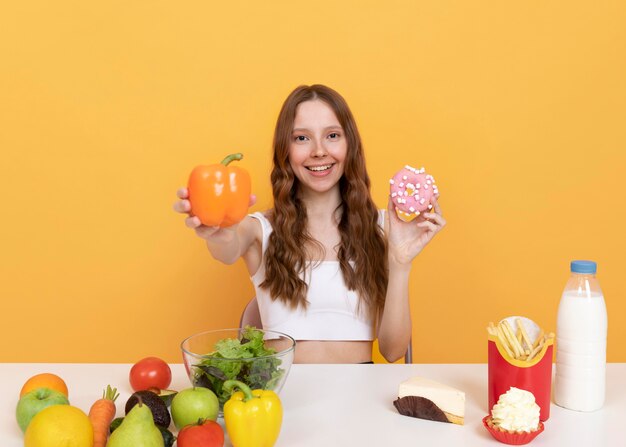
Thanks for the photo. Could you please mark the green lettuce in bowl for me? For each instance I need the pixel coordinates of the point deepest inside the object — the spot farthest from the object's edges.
(259, 358)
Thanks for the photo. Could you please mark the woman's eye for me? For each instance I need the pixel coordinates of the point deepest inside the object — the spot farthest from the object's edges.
(334, 135)
(300, 138)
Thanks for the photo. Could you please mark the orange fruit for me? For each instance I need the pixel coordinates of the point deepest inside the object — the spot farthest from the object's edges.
(45, 380)
(59, 426)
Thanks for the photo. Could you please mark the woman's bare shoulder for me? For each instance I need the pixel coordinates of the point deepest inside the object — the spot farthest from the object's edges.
(253, 224)
(251, 231)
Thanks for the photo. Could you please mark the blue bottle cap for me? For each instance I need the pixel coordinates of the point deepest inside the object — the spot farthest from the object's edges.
(583, 267)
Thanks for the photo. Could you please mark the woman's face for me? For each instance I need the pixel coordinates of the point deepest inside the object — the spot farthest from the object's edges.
(318, 147)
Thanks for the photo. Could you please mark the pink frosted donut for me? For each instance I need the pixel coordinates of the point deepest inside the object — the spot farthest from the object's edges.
(411, 190)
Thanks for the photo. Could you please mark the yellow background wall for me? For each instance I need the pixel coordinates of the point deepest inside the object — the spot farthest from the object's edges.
(517, 108)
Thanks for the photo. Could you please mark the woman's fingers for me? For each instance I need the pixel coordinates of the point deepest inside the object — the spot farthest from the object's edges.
(182, 206)
(430, 225)
(436, 206)
(391, 210)
(436, 215)
(203, 231)
(193, 222)
(252, 200)
(436, 218)
(182, 193)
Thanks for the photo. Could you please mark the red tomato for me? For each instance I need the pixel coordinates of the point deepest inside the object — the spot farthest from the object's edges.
(150, 372)
(206, 434)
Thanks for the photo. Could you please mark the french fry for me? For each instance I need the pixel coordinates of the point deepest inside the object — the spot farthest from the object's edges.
(515, 344)
(507, 339)
(522, 342)
(534, 353)
(539, 338)
(524, 334)
(539, 346)
(503, 341)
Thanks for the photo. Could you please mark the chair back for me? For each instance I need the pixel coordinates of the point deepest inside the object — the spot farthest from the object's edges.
(251, 315)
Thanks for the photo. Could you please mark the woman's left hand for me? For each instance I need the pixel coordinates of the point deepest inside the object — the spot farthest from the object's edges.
(407, 239)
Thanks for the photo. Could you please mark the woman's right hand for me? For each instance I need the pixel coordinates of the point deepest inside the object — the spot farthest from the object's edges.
(210, 234)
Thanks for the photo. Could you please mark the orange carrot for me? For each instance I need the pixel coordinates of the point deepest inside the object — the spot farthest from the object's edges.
(101, 414)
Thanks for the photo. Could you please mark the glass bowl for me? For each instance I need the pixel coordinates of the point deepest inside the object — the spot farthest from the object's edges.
(259, 358)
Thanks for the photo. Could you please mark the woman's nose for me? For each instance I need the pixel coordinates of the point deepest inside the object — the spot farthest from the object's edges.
(319, 150)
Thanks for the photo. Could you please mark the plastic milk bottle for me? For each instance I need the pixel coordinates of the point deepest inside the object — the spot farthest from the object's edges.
(581, 329)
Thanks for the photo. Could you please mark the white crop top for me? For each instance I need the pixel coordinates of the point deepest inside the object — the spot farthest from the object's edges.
(331, 313)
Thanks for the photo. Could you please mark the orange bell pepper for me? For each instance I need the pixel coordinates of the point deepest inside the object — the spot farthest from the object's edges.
(220, 194)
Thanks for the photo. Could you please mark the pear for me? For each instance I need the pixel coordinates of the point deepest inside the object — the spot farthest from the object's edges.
(137, 430)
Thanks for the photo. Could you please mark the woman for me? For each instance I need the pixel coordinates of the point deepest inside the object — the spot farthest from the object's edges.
(328, 267)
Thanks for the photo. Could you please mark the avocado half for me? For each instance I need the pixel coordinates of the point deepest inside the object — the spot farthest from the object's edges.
(165, 395)
(158, 408)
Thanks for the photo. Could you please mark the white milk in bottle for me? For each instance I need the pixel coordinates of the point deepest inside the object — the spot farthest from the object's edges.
(581, 330)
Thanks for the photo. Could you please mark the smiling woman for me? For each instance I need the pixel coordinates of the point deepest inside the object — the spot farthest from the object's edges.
(328, 267)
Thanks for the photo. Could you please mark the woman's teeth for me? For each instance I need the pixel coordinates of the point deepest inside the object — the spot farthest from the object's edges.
(319, 168)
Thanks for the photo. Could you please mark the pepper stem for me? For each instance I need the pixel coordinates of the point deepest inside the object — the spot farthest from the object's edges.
(232, 157)
(230, 386)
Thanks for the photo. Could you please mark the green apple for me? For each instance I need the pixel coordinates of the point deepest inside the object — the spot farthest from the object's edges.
(33, 402)
(192, 404)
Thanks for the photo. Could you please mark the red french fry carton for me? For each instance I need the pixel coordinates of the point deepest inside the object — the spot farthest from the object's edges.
(534, 375)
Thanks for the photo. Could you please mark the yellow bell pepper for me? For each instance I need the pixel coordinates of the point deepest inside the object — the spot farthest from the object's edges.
(253, 418)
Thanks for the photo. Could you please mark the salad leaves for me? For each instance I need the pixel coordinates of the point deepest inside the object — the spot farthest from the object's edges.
(246, 359)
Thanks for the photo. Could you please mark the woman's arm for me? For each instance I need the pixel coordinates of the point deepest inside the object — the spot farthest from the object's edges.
(228, 244)
(394, 328)
(405, 241)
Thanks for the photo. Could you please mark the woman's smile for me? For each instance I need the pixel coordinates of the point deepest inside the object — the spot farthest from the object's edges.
(320, 170)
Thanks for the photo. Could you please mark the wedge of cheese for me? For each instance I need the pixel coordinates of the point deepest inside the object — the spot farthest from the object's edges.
(426, 399)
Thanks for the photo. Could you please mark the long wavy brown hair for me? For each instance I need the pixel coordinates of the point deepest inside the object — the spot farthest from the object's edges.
(362, 252)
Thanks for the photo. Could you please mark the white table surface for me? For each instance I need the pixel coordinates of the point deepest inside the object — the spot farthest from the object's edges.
(347, 405)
